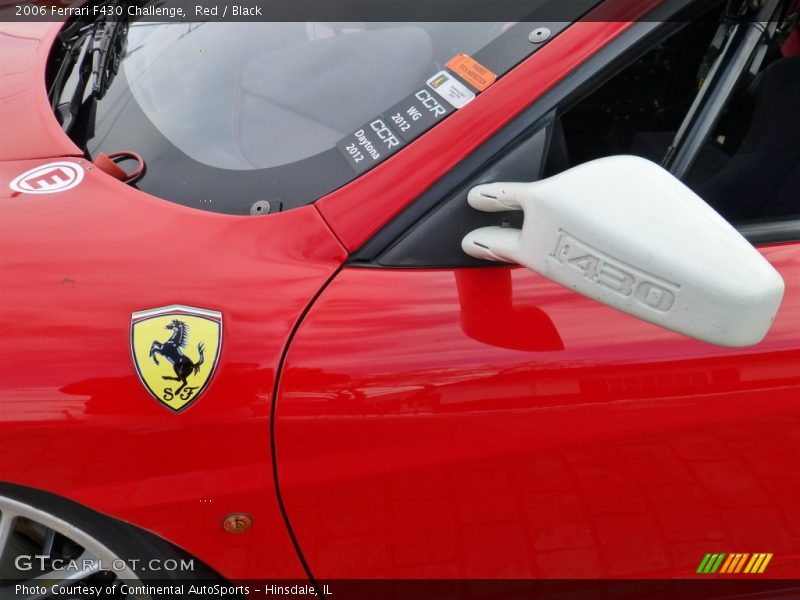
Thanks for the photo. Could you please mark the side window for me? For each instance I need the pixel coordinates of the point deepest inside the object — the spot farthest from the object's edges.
(748, 166)
(638, 110)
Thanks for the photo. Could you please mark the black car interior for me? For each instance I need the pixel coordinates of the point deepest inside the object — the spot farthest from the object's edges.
(762, 178)
(748, 169)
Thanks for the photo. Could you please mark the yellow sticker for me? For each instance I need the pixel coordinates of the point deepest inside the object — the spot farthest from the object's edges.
(175, 350)
(471, 71)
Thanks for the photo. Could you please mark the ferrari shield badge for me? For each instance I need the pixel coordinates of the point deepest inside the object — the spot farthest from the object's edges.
(175, 350)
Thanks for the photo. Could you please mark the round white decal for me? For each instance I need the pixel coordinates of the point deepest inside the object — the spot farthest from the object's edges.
(49, 178)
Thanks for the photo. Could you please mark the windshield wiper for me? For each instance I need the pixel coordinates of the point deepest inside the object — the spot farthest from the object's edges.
(91, 60)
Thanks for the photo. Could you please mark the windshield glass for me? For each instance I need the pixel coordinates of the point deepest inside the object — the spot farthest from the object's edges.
(227, 115)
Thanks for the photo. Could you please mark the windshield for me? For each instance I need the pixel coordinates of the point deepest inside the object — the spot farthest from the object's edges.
(228, 115)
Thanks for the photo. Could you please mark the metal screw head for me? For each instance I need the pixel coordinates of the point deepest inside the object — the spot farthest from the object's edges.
(260, 208)
(237, 523)
(539, 35)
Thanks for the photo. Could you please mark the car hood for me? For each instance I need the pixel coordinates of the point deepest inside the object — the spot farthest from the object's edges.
(30, 129)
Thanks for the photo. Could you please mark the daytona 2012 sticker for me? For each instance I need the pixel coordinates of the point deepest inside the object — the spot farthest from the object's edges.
(380, 138)
(375, 141)
(369, 145)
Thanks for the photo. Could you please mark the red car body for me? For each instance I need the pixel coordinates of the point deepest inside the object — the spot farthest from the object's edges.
(417, 434)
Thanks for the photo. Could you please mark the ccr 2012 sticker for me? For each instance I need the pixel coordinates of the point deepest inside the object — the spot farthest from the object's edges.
(386, 134)
(370, 144)
(416, 114)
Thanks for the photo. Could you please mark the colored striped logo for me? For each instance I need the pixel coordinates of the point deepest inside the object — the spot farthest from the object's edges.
(737, 562)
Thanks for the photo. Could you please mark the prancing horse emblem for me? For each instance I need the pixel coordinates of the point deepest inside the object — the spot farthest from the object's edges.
(189, 353)
(172, 350)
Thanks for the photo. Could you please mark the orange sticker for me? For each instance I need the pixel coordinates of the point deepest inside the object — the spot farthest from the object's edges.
(471, 71)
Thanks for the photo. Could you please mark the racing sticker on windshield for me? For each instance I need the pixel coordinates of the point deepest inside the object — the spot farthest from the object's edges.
(416, 114)
(370, 144)
(471, 71)
(452, 90)
(385, 135)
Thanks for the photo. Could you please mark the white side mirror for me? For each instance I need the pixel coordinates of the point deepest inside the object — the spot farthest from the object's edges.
(623, 231)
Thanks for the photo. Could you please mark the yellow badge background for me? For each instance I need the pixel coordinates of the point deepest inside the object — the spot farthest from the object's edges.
(201, 329)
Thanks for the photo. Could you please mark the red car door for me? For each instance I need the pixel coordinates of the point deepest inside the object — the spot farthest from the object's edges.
(420, 434)
(461, 422)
